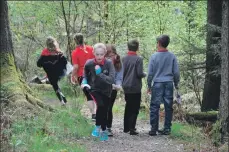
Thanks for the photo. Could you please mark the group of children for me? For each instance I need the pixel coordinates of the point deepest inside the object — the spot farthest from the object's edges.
(101, 72)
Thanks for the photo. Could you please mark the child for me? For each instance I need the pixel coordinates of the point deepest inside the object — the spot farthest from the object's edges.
(162, 71)
(132, 85)
(54, 63)
(112, 54)
(99, 77)
(80, 55)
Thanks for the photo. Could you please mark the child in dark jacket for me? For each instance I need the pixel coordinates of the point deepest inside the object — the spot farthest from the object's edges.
(99, 77)
(54, 64)
(113, 55)
(132, 85)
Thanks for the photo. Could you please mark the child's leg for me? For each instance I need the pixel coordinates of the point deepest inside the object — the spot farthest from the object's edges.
(127, 112)
(106, 101)
(91, 104)
(156, 98)
(56, 88)
(110, 114)
(99, 113)
(168, 102)
(135, 109)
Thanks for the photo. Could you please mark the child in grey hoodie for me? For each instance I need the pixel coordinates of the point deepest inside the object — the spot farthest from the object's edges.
(163, 71)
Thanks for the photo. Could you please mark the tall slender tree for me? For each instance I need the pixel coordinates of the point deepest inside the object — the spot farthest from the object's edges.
(212, 79)
(224, 96)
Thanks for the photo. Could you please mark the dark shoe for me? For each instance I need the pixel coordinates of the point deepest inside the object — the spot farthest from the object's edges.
(110, 133)
(164, 132)
(152, 133)
(133, 132)
(65, 100)
(126, 131)
(93, 117)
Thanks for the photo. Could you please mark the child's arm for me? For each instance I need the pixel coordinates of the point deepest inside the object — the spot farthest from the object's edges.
(176, 73)
(119, 77)
(40, 62)
(108, 79)
(150, 73)
(139, 67)
(85, 77)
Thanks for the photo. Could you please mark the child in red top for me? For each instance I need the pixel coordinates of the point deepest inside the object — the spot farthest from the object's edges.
(80, 55)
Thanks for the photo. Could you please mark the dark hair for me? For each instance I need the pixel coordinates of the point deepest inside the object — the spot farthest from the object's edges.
(78, 38)
(117, 62)
(163, 40)
(133, 45)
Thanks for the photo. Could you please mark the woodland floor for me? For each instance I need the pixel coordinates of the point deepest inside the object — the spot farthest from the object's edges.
(123, 142)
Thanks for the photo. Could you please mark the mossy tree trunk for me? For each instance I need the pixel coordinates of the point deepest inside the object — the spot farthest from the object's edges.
(212, 79)
(224, 97)
(14, 91)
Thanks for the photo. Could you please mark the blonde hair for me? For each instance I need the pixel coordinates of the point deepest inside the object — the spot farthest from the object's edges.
(100, 45)
(50, 43)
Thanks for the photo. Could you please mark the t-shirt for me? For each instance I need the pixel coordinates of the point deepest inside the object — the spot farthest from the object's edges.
(80, 55)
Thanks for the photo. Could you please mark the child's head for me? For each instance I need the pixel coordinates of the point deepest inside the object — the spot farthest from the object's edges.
(112, 54)
(78, 38)
(133, 45)
(52, 44)
(99, 52)
(163, 41)
(111, 51)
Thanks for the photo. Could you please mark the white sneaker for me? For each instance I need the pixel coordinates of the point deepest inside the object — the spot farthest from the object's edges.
(63, 103)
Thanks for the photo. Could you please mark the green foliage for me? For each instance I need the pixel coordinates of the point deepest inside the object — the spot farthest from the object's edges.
(50, 132)
(186, 132)
(215, 133)
(184, 21)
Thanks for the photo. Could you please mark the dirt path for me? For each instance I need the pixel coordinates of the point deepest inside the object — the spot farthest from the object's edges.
(123, 142)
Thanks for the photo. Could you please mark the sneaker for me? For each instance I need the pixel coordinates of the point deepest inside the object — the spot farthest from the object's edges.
(152, 133)
(110, 133)
(104, 136)
(96, 131)
(93, 117)
(133, 132)
(164, 132)
(126, 131)
(63, 103)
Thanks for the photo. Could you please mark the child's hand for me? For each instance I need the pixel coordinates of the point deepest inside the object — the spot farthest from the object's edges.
(74, 79)
(116, 87)
(148, 91)
(98, 69)
(85, 85)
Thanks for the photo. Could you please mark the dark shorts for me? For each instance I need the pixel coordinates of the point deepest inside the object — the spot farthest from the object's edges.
(86, 93)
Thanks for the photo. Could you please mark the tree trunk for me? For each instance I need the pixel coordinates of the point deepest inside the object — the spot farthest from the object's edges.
(14, 92)
(212, 79)
(16, 97)
(223, 106)
(106, 21)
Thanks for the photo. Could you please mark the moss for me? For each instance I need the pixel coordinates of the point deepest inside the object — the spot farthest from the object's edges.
(215, 133)
(210, 115)
(9, 76)
(14, 88)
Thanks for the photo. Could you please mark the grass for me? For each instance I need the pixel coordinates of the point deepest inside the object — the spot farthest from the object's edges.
(57, 131)
(52, 132)
(186, 132)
